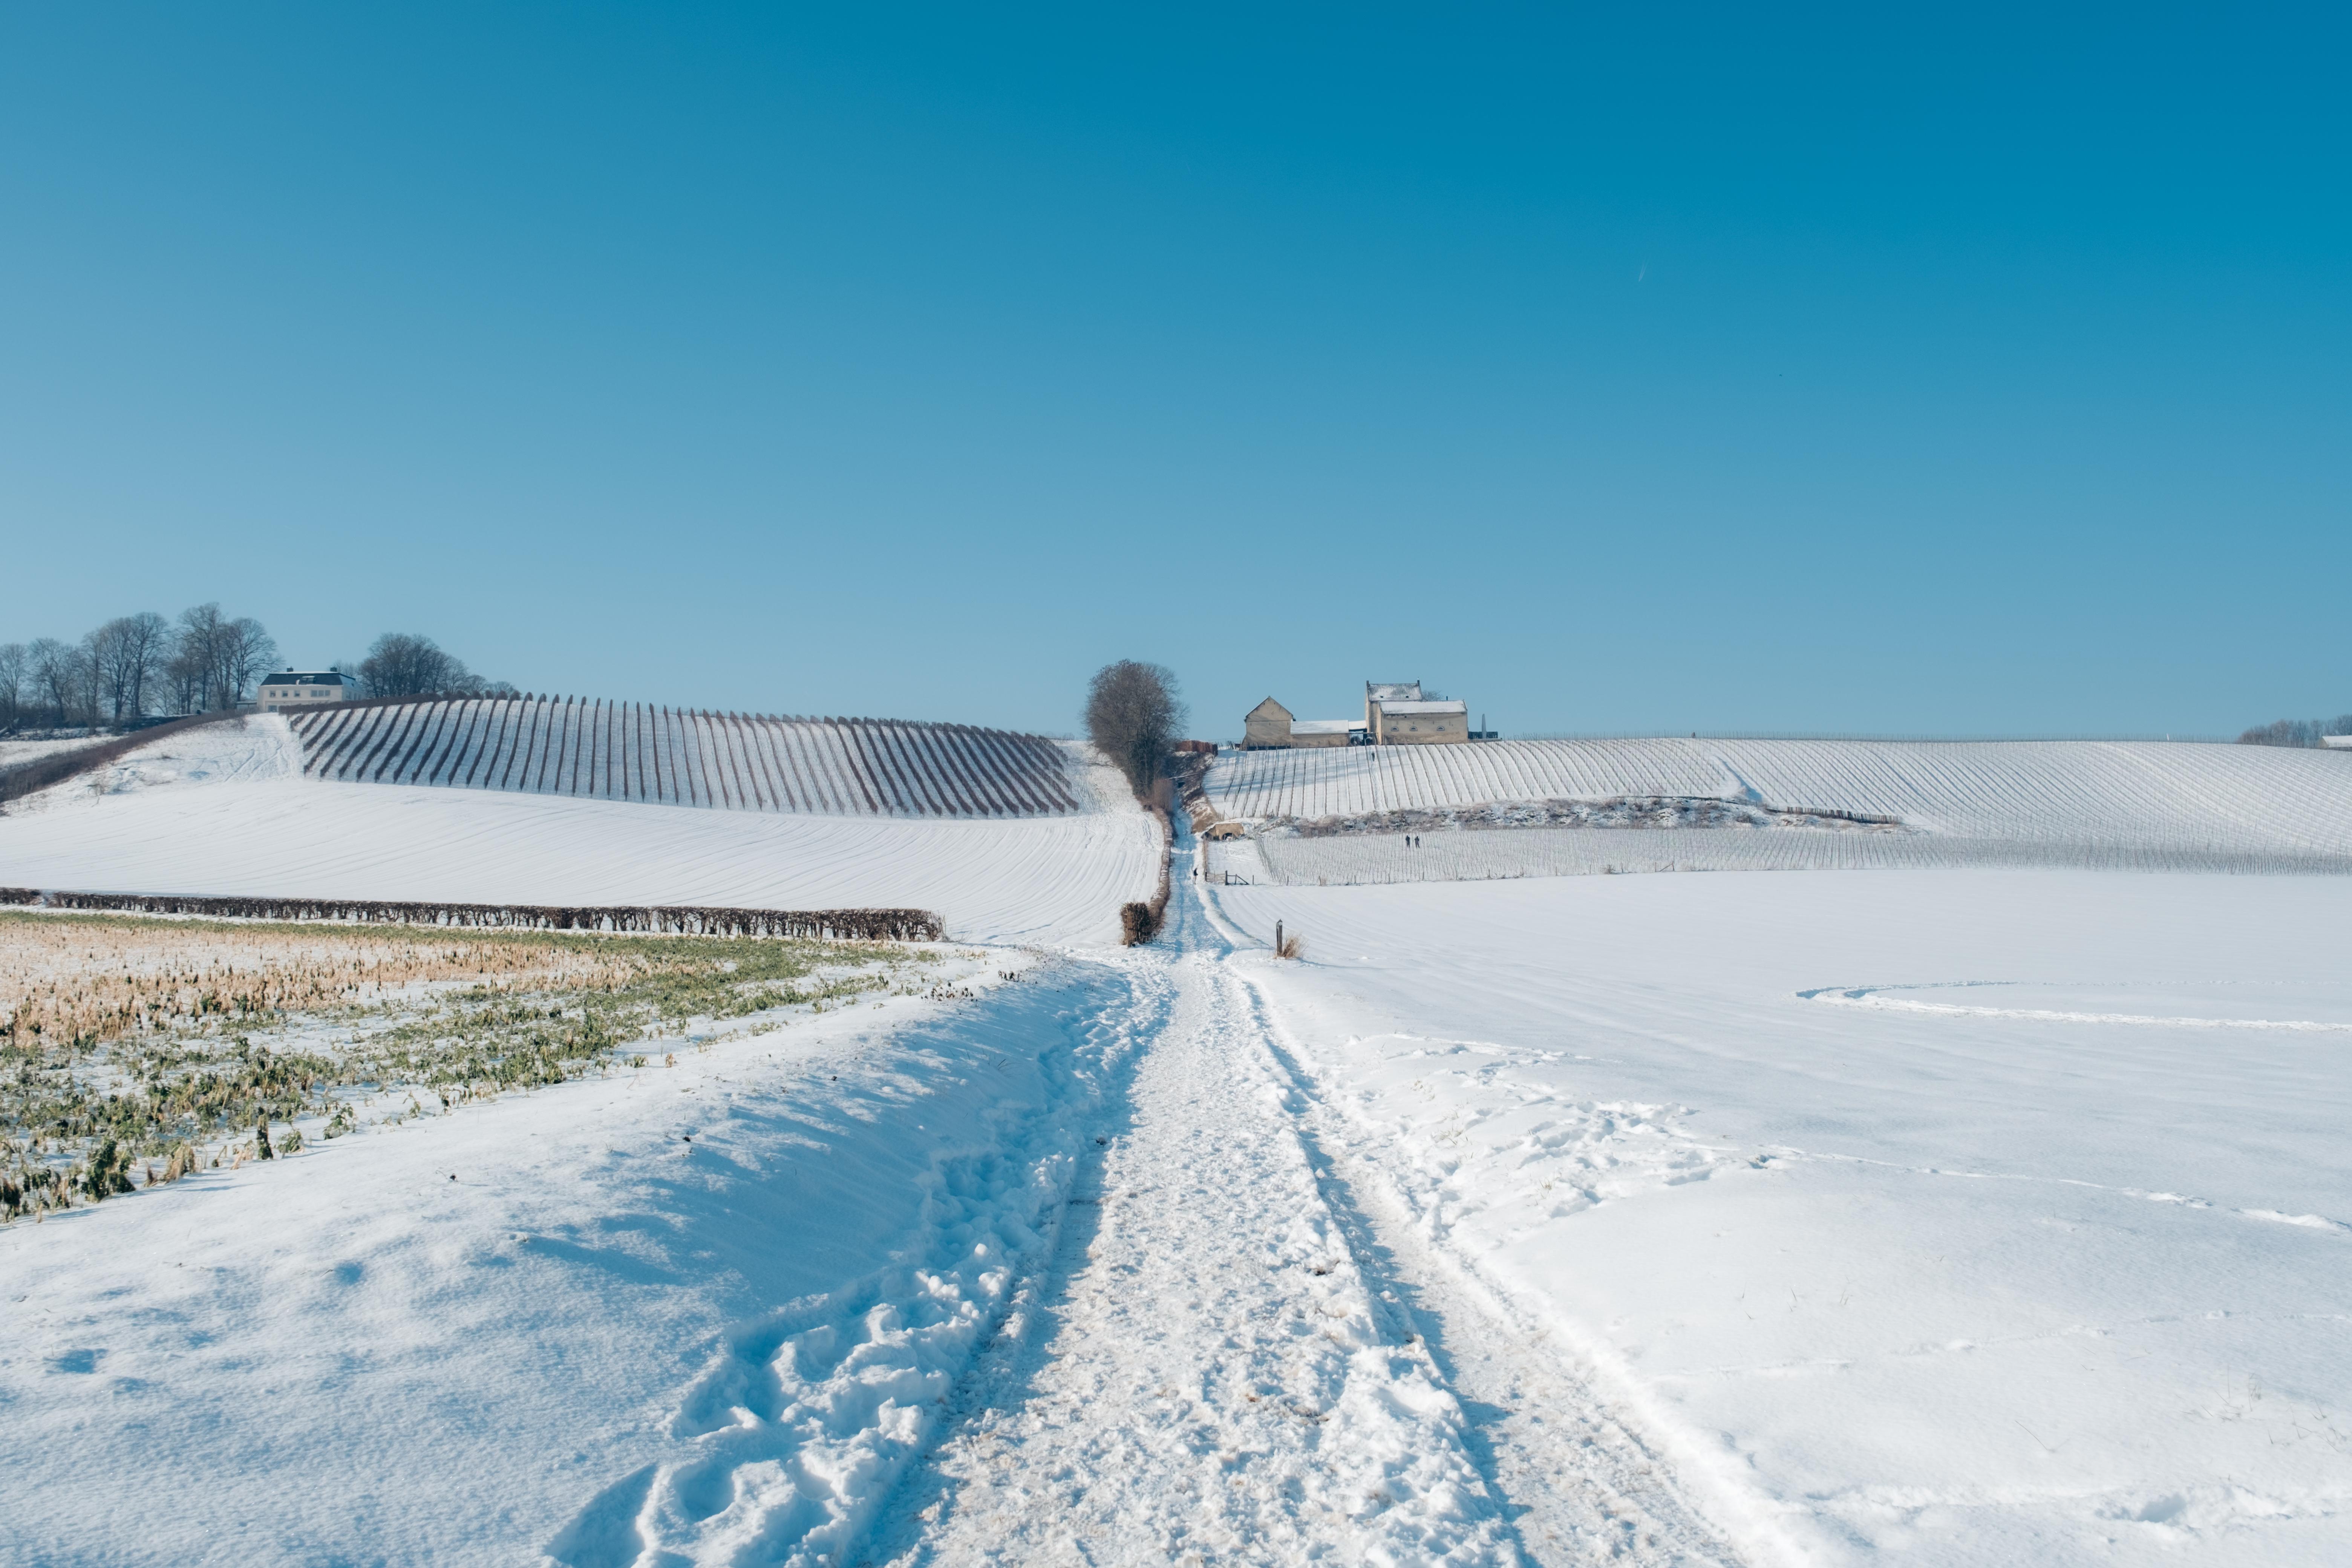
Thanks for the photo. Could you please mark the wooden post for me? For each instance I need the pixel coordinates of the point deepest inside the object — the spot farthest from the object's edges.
(1278, 939)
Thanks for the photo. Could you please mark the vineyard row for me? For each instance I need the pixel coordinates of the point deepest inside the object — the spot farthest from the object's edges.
(2251, 798)
(608, 751)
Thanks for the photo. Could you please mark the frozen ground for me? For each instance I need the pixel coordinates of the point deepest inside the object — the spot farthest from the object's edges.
(224, 809)
(1934, 1216)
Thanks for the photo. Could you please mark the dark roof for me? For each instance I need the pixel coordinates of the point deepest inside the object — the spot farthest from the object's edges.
(288, 678)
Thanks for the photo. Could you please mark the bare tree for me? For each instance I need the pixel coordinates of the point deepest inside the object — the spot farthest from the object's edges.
(14, 668)
(99, 652)
(61, 682)
(193, 669)
(1132, 715)
(243, 652)
(125, 657)
(187, 676)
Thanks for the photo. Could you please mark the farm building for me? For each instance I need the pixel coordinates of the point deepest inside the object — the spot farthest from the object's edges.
(292, 690)
(1269, 725)
(1397, 714)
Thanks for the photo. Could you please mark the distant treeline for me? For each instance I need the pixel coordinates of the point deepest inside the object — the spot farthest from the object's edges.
(2296, 731)
(142, 667)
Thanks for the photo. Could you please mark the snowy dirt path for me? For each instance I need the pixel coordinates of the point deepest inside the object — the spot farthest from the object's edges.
(1229, 1363)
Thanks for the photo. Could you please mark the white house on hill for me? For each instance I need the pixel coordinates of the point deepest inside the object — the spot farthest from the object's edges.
(289, 689)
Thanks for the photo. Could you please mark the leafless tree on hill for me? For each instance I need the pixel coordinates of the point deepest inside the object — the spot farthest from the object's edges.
(245, 654)
(126, 656)
(61, 682)
(1132, 716)
(137, 665)
(14, 667)
(193, 672)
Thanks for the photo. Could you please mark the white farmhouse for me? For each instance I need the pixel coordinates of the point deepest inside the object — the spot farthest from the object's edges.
(289, 689)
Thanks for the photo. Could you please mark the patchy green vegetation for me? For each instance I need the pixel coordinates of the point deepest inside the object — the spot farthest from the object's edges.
(126, 1041)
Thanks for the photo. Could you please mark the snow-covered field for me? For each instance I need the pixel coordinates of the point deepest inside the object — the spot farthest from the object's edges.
(1503, 853)
(224, 809)
(1927, 1215)
(1973, 1216)
(2269, 806)
(518, 1326)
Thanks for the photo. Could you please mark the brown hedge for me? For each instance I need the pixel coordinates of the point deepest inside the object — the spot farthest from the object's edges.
(676, 919)
(58, 766)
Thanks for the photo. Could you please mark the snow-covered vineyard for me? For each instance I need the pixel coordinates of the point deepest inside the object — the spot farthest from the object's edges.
(631, 751)
(239, 809)
(1471, 856)
(2141, 805)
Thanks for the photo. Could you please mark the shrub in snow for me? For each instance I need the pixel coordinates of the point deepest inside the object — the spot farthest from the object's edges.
(108, 1172)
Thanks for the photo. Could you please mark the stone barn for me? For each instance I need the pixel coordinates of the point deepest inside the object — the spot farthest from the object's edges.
(1397, 714)
(1270, 724)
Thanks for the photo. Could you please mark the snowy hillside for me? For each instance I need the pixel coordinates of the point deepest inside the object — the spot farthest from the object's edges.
(628, 751)
(226, 809)
(2082, 802)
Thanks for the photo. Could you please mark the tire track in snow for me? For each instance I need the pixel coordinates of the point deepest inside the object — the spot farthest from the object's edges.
(1583, 1487)
(1214, 1376)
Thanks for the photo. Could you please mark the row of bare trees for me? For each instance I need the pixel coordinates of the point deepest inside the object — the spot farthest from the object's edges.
(2296, 731)
(402, 664)
(132, 666)
(137, 667)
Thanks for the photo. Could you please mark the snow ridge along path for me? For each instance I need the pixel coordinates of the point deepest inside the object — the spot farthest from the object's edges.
(792, 1438)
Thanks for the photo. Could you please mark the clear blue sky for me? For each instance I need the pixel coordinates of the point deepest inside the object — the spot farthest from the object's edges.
(1622, 369)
